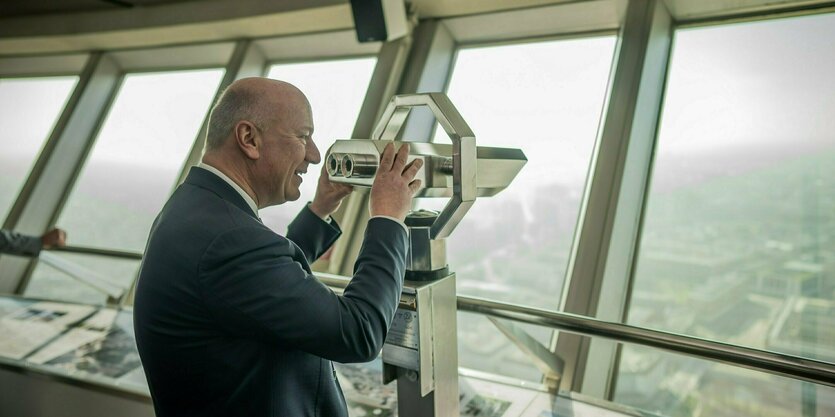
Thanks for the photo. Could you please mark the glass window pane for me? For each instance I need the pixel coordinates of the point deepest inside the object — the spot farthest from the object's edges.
(674, 385)
(137, 158)
(134, 165)
(737, 239)
(335, 90)
(545, 98)
(29, 108)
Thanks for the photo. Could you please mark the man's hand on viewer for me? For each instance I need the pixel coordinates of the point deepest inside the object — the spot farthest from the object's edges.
(394, 184)
(54, 238)
(329, 195)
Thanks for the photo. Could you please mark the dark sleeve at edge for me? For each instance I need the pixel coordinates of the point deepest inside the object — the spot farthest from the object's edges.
(18, 244)
(312, 234)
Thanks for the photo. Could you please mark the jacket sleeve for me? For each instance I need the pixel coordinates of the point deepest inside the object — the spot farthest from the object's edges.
(18, 244)
(255, 289)
(312, 234)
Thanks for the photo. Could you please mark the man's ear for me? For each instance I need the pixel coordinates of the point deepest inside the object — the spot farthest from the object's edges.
(248, 139)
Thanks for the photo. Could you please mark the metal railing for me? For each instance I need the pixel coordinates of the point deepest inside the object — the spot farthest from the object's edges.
(111, 253)
(760, 360)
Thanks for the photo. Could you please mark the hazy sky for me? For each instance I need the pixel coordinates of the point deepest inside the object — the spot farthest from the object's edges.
(753, 84)
(729, 85)
(28, 110)
(545, 98)
(155, 118)
(733, 86)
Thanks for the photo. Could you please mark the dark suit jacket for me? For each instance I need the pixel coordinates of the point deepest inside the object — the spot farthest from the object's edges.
(18, 244)
(229, 319)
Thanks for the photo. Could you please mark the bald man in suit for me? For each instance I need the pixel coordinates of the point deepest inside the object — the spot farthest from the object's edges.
(229, 319)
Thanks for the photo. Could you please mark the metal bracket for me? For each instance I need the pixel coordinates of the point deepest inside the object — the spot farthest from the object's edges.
(548, 362)
(464, 151)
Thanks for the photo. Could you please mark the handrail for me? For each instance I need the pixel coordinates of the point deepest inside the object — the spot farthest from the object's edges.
(760, 360)
(112, 253)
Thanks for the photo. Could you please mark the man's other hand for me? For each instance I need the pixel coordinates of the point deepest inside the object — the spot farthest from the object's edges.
(394, 184)
(54, 238)
(329, 195)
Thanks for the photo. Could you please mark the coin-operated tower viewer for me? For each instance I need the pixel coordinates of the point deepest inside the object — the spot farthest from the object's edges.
(421, 349)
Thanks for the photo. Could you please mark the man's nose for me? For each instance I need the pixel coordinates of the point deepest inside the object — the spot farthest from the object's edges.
(313, 156)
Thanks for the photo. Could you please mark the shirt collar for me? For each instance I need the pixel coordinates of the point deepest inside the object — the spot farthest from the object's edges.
(249, 201)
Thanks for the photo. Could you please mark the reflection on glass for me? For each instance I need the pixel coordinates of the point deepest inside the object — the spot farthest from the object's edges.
(133, 167)
(335, 90)
(685, 386)
(29, 108)
(737, 241)
(545, 98)
(51, 283)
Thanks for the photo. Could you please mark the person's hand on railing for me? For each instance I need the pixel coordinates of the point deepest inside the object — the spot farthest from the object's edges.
(55, 238)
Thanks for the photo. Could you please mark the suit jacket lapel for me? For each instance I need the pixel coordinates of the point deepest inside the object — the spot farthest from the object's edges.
(202, 178)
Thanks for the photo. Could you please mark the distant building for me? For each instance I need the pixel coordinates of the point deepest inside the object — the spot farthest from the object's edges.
(805, 327)
(793, 278)
(689, 265)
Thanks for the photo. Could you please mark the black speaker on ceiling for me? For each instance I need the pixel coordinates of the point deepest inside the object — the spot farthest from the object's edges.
(379, 20)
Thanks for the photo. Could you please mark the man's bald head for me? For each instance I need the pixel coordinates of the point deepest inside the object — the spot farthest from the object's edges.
(258, 100)
(261, 136)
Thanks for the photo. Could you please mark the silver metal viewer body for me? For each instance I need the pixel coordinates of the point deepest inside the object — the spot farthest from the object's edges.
(421, 348)
(355, 162)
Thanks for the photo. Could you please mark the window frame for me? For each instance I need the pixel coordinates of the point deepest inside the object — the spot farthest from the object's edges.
(431, 53)
(613, 356)
(447, 36)
(117, 64)
(71, 64)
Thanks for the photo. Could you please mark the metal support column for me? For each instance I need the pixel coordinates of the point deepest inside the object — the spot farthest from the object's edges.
(600, 266)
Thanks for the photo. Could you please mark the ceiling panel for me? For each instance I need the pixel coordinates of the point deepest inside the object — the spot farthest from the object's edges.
(41, 7)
